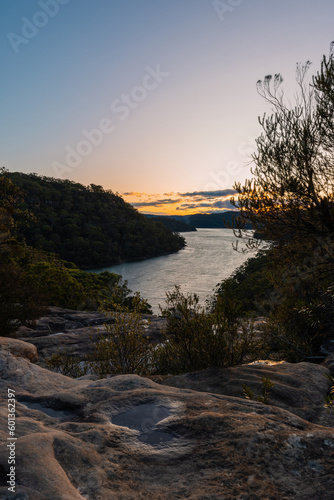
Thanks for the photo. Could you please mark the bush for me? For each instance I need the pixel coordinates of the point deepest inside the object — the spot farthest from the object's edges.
(301, 305)
(248, 285)
(197, 338)
(66, 365)
(293, 288)
(64, 285)
(21, 302)
(126, 348)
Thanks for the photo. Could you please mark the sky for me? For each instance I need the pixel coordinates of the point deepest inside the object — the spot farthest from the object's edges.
(153, 99)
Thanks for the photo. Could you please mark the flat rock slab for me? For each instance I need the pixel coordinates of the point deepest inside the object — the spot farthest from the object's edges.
(94, 440)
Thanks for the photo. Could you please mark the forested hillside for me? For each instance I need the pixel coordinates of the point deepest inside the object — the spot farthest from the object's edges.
(89, 226)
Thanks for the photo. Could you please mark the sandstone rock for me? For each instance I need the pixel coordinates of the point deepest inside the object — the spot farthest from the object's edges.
(299, 388)
(22, 374)
(73, 333)
(126, 437)
(62, 320)
(19, 349)
(77, 343)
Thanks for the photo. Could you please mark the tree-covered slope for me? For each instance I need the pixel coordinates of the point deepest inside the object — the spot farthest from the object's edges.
(89, 226)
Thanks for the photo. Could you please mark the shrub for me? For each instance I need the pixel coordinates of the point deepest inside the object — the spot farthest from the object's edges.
(66, 365)
(21, 302)
(197, 338)
(248, 285)
(125, 349)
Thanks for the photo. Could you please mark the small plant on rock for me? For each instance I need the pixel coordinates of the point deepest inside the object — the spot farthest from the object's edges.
(267, 385)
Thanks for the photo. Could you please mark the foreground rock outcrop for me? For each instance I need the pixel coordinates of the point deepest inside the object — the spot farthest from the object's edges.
(127, 437)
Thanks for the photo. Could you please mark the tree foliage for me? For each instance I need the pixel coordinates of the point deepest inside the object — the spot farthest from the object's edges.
(290, 201)
(21, 302)
(11, 213)
(292, 290)
(31, 279)
(247, 287)
(291, 193)
(198, 338)
(125, 348)
(89, 226)
(63, 284)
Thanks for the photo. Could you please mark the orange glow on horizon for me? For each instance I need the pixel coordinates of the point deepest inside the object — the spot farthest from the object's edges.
(180, 204)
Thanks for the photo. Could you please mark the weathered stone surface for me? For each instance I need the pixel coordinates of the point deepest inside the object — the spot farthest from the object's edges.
(62, 320)
(77, 343)
(64, 331)
(299, 388)
(19, 349)
(126, 437)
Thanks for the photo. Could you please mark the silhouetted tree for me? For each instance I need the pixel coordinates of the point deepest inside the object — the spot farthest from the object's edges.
(291, 194)
(290, 201)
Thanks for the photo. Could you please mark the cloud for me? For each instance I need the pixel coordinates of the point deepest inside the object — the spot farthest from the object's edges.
(224, 204)
(133, 193)
(187, 206)
(210, 194)
(156, 203)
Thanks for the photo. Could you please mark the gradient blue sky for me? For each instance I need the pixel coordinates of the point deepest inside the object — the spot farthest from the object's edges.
(192, 133)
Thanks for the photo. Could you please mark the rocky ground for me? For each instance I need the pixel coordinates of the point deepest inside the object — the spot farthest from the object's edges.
(127, 437)
(69, 332)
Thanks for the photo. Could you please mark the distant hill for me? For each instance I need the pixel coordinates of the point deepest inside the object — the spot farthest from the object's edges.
(218, 220)
(90, 226)
(175, 225)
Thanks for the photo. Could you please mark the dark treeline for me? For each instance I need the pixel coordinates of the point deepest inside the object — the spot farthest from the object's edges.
(226, 219)
(89, 226)
(177, 225)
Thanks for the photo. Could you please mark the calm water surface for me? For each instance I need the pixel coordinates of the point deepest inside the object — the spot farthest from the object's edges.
(207, 259)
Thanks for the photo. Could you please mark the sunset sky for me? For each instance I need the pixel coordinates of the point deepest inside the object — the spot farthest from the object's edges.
(154, 99)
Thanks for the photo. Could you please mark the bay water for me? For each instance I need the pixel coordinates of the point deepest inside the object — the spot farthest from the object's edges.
(207, 259)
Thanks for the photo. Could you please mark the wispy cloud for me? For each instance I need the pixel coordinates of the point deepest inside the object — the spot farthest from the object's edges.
(193, 206)
(224, 204)
(210, 194)
(134, 193)
(156, 203)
